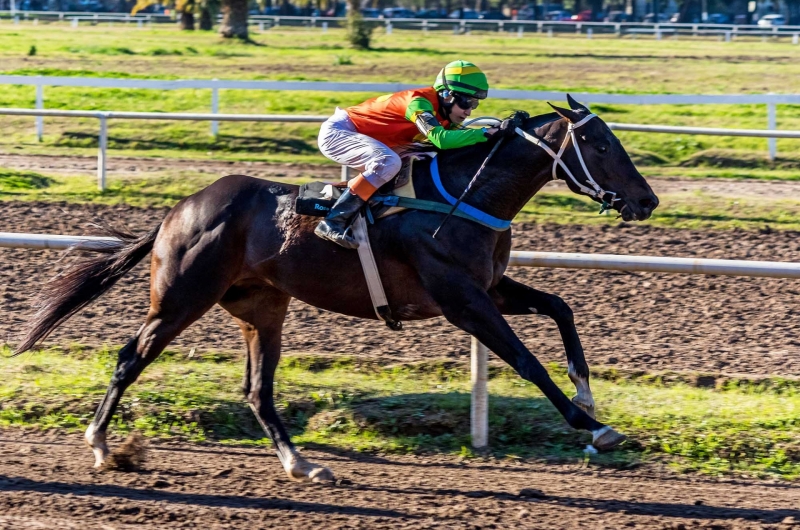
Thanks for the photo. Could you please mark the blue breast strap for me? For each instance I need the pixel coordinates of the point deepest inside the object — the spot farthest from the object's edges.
(483, 217)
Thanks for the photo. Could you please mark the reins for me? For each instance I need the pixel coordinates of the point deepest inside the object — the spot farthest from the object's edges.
(608, 198)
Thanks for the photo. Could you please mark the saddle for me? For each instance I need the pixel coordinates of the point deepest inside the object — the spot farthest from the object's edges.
(317, 198)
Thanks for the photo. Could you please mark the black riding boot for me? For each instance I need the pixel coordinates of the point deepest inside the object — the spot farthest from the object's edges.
(334, 226)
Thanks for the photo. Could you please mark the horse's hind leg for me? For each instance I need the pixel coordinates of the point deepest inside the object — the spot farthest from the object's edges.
(181, 292)
(514, 298)
(260, 312)
(157, 332)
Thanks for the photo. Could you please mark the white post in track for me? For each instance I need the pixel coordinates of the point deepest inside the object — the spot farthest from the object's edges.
(772, 124)
(520, 31)
(214, 110)
(589, 33)
(345, 174)
(324, 27)
(101, 154)
(795, 38)
(39, 106)
(479, 410)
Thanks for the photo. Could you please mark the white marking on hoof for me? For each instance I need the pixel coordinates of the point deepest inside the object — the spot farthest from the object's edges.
(97, 441)
(607, 438)
(298, 468)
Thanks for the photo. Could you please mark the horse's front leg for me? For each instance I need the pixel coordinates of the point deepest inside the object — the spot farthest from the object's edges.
(468, 306)
(514, 298)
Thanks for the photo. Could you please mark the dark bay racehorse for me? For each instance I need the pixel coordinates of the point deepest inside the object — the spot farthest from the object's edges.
(239, 243)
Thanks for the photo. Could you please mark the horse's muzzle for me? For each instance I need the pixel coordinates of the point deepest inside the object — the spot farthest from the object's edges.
(638, 210)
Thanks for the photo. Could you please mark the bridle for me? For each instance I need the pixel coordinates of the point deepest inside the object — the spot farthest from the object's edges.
(608, 198)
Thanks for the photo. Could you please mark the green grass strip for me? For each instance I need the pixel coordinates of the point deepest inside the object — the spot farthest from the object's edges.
(735, 428)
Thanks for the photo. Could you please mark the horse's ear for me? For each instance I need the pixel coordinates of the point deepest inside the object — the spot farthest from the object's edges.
(574, 105)
(569, 115)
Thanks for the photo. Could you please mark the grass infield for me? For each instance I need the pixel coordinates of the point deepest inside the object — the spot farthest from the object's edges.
(689, 423)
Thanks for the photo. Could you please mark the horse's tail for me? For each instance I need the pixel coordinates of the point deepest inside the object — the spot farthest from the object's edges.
(83, 282)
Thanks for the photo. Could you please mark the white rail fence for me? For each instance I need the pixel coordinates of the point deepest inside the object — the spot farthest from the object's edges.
(727, 32)
(104, 116)
(479, 412)
(215, 85)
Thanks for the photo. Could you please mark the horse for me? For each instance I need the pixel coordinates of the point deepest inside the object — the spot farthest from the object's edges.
(239, 243)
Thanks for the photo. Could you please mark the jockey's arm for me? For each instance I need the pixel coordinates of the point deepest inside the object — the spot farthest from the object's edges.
(420, 112)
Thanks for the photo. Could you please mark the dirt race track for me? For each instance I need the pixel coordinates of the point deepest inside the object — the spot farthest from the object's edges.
(641, 321)
(43, 485)
(651, 322)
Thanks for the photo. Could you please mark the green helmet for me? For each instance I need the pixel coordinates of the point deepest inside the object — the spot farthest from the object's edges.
(462, 77)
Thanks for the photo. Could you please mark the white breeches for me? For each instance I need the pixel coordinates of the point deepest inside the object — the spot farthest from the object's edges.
(339, 141)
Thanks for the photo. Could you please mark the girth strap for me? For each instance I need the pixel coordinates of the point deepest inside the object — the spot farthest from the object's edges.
(430, 206)
(370, 267)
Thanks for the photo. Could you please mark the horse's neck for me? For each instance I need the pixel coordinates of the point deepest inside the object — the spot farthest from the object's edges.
(513, 175)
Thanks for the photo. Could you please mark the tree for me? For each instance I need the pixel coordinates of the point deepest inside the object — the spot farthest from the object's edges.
(234, 20)
(359, 32)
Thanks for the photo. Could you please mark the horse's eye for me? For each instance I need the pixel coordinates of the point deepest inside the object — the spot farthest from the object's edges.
(602, 149)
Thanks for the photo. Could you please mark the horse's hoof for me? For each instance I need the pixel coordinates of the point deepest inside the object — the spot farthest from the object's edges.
(588, 408)
(97, 443)
(302, 470)
(607, 438)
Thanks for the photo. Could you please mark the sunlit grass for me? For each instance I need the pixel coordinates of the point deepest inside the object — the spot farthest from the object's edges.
(743, 429)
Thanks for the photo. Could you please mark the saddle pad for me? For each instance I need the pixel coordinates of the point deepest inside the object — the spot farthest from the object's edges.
(316, 199)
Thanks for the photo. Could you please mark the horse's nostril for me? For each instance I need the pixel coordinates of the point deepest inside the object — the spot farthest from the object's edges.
(649, 203)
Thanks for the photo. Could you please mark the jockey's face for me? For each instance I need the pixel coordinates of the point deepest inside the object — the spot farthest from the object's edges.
(458, 115)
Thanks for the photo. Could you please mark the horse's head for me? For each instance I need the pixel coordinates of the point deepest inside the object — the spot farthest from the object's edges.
(599, 166)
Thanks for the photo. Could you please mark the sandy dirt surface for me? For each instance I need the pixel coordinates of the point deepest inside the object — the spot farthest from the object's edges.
(46, 483)
(640, 321)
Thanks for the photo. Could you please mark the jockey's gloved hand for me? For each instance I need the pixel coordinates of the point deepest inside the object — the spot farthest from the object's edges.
(507, 127)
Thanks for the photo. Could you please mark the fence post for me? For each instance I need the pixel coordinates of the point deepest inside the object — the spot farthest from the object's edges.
(520, 31)
(425, 27)
(388, 27)
(101, 154)
(795, 38)
(772, 124)
(215, 109)
(39, 106)
(589, 33)
(324, 27)
(479, 410)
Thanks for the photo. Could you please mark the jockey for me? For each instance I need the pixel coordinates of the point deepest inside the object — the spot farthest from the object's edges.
(368, 136)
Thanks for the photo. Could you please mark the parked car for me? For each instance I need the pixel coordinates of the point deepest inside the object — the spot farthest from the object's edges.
(398, 12)
(558, 15)
(718, 18)
(583, 16)
(652, 19)
(468, 14)
(768, 21)
(740, 20)
(370, 12)
(429, 13)
(493, 15)
(617, 16)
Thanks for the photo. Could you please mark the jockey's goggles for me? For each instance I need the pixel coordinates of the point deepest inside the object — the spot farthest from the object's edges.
(465, 102)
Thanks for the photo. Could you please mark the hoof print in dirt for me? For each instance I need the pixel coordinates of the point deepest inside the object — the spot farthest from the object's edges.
(531, 493)
(129, 457)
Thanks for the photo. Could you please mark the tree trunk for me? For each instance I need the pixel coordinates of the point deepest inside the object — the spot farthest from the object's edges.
(234, 19)
(187, 20)
(206, 20)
